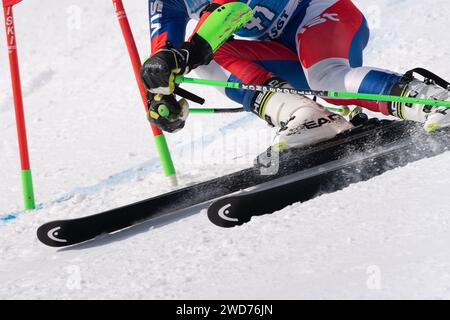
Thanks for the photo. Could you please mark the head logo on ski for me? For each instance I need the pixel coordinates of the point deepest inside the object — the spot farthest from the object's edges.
(53, 234)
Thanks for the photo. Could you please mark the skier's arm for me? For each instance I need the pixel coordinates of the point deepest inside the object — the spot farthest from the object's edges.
(207, 12)
(168, 20)
(216, 25)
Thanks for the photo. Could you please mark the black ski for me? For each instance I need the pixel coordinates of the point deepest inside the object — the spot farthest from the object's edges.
(363, 163)
(69, 232)
(373, 134)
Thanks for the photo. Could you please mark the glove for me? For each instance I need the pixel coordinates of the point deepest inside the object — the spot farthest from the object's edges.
(165, 112)
(159, 71)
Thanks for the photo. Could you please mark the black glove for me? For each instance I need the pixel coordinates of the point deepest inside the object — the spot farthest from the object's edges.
(159, 71)
(165, 112)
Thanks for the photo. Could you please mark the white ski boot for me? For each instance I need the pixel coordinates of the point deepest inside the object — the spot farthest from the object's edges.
(433, 118)
(301, 121)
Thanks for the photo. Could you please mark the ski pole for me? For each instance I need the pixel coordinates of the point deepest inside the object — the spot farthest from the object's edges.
(341, 110)
(27, 181)
(160, 140)
(318, 93)
(215, 110)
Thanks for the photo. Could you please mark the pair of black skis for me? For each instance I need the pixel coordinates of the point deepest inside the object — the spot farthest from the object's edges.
(276, 181)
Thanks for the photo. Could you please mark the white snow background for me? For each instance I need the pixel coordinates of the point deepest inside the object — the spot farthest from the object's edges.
(91, 150)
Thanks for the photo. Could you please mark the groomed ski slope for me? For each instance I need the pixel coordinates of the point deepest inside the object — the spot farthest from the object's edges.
(91, 150)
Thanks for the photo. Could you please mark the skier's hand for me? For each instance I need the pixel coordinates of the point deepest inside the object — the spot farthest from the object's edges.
(159, 71)
(165, 112)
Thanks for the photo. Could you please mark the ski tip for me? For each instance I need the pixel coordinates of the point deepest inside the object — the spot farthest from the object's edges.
(51, 235)
(225, 213)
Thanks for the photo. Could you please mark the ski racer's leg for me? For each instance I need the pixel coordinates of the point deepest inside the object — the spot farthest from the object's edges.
(300, 120)
(254, 62)
(330, 43)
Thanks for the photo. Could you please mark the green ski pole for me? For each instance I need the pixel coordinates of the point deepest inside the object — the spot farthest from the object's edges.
(344, 111)
(318, 93)
(215, 110)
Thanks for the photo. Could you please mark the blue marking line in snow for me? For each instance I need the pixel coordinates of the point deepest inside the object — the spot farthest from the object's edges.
(8, 217)
(140, 171)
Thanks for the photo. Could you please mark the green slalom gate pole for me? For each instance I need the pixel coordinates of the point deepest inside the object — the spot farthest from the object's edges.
(318, 93)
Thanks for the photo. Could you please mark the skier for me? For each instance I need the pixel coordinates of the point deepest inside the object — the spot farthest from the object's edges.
(316, 44)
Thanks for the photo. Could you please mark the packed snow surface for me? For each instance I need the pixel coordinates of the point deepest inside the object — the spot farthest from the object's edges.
(91, 150)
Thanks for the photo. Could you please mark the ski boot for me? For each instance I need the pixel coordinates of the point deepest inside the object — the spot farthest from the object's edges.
(300, 121)
(432, 87)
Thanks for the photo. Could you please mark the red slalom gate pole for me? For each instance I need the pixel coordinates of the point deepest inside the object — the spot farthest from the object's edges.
(27, 181)
(160, 140)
